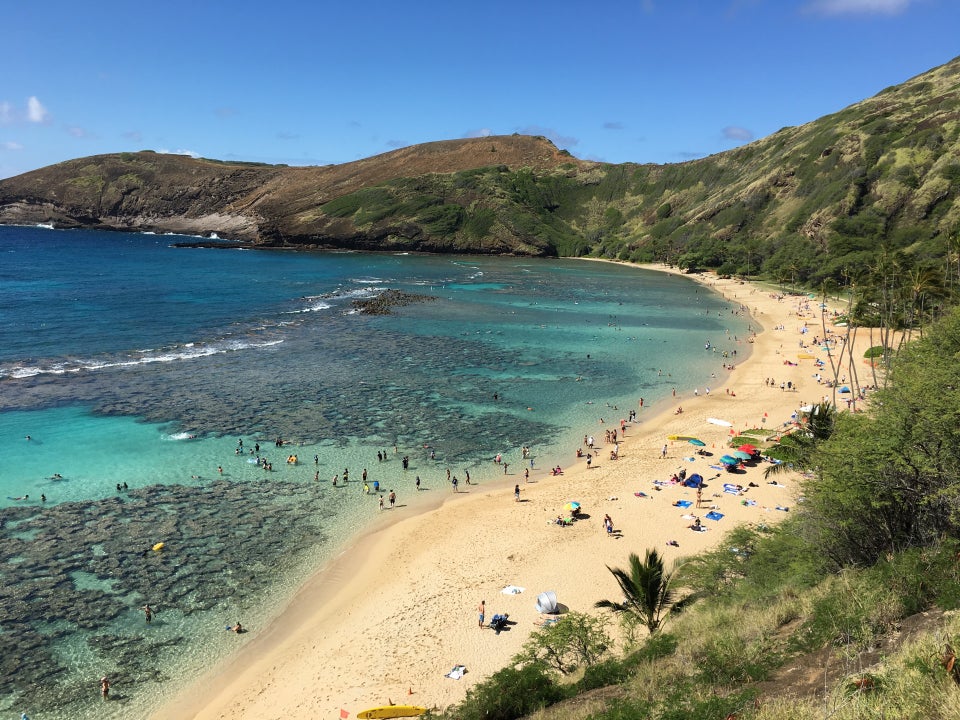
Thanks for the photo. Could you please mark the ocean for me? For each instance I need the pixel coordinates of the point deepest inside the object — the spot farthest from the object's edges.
(152, 394)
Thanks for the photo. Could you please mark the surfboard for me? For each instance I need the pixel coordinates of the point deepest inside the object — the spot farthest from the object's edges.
(721, 423)
(392, 711)
(680, 437)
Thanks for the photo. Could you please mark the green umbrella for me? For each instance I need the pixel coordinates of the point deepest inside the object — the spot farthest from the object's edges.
(698, 443)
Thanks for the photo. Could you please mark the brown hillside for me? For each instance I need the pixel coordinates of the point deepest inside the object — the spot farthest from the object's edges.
(245, 201)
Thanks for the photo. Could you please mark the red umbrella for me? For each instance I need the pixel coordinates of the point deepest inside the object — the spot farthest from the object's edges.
(748, 448)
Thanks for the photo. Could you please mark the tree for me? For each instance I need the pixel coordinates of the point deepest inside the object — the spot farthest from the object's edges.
(577, 639)
(797, 450)
(646, 591)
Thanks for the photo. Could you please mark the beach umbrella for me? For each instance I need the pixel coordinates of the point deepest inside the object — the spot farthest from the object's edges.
(747, 448)
(571, 506)
(695, 441)
(741, 454)
(844, 389)
(727, 460)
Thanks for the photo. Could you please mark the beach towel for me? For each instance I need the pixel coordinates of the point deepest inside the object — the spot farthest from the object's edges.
(688, 517)
(683, 503)
(782, 508)
(717, 467)
(732, 489)
(458, 672)
(641, 494)
(748, 503)
(512, 590)
(713, 515)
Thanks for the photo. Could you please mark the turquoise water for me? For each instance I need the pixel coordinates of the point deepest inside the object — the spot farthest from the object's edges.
(127, 361)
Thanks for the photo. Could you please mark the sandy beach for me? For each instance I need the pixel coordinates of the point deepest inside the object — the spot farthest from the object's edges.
(391, 616)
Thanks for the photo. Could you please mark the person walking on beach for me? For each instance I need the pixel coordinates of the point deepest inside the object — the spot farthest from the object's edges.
(454, 482)
(418, 483)
(663, 452)
(393, 499)
(516, 493)
(526, 475)
(481, 610)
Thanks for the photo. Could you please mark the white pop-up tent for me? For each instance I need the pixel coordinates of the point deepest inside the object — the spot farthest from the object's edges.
(547, 602)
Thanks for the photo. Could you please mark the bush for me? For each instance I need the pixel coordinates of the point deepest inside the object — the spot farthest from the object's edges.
(508, 694)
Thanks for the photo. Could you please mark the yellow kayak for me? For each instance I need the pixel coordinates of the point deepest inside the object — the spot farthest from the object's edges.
(680, 437)
(392, 711)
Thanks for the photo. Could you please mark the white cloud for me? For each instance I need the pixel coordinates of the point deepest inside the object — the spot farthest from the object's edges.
(36, 112)
(10, 145)
(6, 113)
(480, 132)
(191, 153)
(77, 132)
(859, 7)
(734, 132)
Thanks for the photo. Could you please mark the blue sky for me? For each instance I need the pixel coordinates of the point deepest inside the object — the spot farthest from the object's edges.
(314, 83)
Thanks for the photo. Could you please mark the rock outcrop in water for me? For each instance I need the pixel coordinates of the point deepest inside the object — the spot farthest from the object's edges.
(384, 303)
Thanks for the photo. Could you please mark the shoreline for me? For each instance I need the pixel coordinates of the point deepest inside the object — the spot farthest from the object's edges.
(364, 630)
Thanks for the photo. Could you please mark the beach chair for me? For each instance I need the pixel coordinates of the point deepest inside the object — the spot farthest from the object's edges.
(498, 622)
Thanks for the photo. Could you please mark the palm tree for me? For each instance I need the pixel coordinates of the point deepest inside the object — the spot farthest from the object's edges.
(795, 451)
(647, 594)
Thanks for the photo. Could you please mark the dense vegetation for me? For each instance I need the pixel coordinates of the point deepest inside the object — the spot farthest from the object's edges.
(873, 550)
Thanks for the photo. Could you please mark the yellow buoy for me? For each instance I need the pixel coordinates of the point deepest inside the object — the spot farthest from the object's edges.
(158, 547)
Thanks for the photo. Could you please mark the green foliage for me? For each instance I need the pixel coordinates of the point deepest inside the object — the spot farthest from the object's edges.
(442, 219)
(891, 480)
(576, 640)
(876, 351)
(508, 694)
(478, 222)
(647, 591)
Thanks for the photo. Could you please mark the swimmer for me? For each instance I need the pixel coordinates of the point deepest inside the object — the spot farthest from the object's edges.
(238, 628)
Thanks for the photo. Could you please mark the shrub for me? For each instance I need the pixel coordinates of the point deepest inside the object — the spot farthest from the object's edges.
(508, 694)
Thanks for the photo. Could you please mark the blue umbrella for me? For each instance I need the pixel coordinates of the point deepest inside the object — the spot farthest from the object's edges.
(741, 454)
(844, 389)
(698, 443)
(727, 460)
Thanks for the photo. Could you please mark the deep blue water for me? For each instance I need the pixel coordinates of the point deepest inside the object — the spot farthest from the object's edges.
(128, 361)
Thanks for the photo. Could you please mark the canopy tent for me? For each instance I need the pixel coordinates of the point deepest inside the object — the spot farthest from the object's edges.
(547, 602)
(844, 389)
